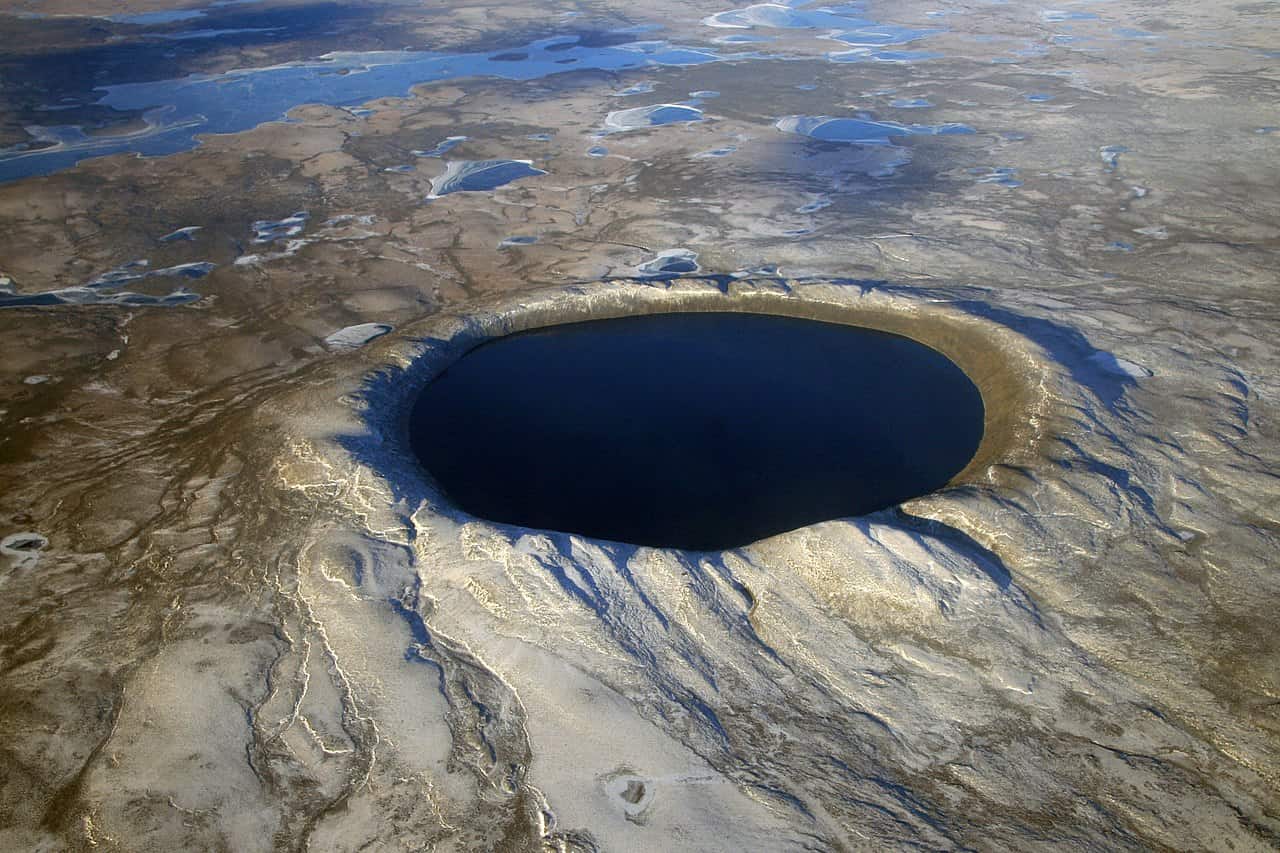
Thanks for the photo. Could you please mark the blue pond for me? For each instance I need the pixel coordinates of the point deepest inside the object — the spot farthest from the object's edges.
(694, 431)
(859, 131)
(650, 116)
(468, 176)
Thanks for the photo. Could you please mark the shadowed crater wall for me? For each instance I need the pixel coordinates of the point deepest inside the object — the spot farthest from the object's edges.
(694, 430)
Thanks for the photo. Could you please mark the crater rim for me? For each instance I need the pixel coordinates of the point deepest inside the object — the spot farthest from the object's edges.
(1006, 368)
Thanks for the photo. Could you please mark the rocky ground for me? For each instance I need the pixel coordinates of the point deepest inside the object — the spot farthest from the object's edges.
(237, 617)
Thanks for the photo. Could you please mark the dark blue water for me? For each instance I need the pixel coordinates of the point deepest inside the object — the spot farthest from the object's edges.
(696, 431)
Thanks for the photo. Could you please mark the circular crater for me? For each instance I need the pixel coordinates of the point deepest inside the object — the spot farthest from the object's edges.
(703, 430)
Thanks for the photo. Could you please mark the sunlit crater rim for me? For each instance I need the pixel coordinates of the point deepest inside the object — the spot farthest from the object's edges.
(1005, 367)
